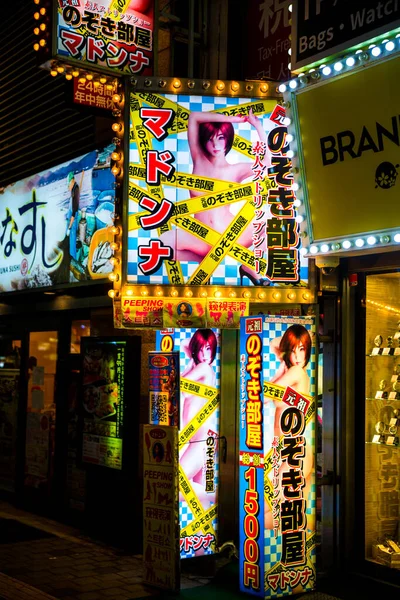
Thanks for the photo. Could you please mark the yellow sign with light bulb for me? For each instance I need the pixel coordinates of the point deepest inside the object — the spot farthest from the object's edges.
(350, 139)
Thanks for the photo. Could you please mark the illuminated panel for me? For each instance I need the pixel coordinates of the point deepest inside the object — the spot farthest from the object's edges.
(210, 192)
(276, 448)
(198, 435)
(108, 34)
(55, 225)
(103, 384)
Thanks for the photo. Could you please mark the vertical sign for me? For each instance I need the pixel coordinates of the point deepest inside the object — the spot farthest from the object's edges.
(164, 388)
(277, 446)
(199, 366)
(103, 402)
(160, 507)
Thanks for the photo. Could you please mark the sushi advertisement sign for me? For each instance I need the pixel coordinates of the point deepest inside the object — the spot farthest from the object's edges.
(277, 491)
(54, 225)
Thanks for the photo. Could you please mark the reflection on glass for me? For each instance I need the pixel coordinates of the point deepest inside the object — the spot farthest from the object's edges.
(79, 329)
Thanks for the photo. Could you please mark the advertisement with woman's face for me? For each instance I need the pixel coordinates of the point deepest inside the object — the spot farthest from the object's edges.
(211, 196)
(277, 431)
(199, 364)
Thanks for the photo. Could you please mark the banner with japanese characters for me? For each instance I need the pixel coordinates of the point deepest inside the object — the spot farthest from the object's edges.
(198, 438)
(277, 489)
(211, 196)
(55, 225)
(102, 401)
(160, 507)
(115, 35)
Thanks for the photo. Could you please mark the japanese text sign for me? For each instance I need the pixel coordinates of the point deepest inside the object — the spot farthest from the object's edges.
(116, 35)
(199, 366)
(210, 192)
(54, 225)
(276, 455)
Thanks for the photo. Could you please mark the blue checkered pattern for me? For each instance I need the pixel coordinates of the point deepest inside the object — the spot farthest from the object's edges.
(180, 335)
(275, 327)
(227, 273)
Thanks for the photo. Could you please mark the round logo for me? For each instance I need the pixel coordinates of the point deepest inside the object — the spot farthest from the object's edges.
(386, 175)
(24, 267)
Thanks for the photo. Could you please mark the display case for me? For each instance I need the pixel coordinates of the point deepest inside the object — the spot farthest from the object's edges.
(382, 419)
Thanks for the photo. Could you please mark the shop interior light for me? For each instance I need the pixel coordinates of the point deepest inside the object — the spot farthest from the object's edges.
(326, 71)
(42, 43)
(36, 1)
(42, 26)
(116, 127)
(397, 238)
(53, 72)
(289, 66)
(264, 88)
(115, 230)
(113, 276)
(376, 51)
(177, 84)
(114, 246)
(36, 31)
(234, 86)
(111, 293)
(338, 66)
(389, 46)
(282, 88)
(220, 86)
(36, 48)
(293, 84)
(351, 61)
(36, 16)
(359, 242)
(313, 249)
(346, 244)
(116, 171)
(371, 240)
(289, 52)
(324, 248)
(42, 11)
(115, 155)
(290, 7)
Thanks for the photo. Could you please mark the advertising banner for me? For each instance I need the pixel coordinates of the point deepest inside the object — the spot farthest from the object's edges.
(93, 94)
(210, 192)
(116, 35)
(160, 507)
(351, 152)
(198, 441)
(102, 404)
(322, 29)
(164, 388)
(54, 225)
(277, 491)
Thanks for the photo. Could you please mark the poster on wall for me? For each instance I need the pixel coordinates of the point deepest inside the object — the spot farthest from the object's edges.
(211, 196)
(164, 391)
(9, 383)
(102, 404)
(198, 438)
(116, 35)
(160, 507)
(277, 490)
(54, 226)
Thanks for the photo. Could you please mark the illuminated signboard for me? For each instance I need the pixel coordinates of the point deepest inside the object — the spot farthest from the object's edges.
(277, 492)
(93, 94)
(102, 406)
(350, 153)
(198, 435)
(54, 225)
(210, 192)
(116, 35)
(322, 29)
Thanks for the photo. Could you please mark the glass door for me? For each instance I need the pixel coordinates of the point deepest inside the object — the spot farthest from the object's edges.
(382, 420)
(41, 410)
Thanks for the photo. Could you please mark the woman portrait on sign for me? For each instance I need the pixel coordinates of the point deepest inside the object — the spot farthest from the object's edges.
(210, 137)
(293, 349)
(201, 349)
